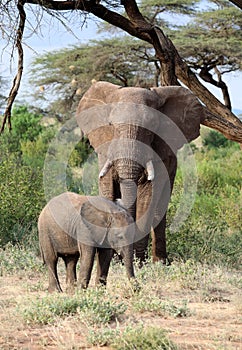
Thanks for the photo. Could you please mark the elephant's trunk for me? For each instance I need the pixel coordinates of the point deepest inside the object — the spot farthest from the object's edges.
(128, 189)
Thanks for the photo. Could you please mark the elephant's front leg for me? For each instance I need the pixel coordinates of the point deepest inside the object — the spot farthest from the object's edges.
(159, 252)
(104, 257)
(87, 254)
(144, 218)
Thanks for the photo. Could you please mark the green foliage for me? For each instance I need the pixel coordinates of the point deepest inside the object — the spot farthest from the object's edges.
(25, 126)
(215, 139)
(22, 154)
(90, 306)
(21, 198)
(212, 231)
(201, 41)
(34, 152)
(17, 258)
(69, 72)
(80, 153)
(159, 307)
(133, 338)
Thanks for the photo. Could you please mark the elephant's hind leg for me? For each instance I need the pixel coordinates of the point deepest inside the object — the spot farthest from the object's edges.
(50, 259)
(70, 263)
(54, 284)
(104, 258)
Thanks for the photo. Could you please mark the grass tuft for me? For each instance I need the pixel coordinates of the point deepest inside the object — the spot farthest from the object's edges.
(132, 338)
(90, 306)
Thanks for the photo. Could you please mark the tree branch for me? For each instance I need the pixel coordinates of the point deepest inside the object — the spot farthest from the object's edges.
(237, 3)
(16, 83)
(98, 10)
(207, 76)
(228, 129)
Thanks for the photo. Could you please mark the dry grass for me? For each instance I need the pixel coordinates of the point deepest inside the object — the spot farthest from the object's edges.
(198, 307)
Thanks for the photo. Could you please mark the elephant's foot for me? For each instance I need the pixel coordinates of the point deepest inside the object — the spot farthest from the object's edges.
(53, 289)
(161, 260)
(83, 285)
(134, 285)
(101, 282)
(70, 288)
(54, 285)
(142, 258)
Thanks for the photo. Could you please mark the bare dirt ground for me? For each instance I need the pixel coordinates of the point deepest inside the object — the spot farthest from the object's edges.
(214, 322)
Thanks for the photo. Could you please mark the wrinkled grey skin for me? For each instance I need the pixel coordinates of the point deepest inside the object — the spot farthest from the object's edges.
(136, 133)
(71, 225)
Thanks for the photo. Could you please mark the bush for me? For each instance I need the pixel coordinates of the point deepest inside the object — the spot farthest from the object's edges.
(25, 126)
(212, 232)
(133, 338)
(19, 259)
(91, 306)
(214, 139)
(21, 198)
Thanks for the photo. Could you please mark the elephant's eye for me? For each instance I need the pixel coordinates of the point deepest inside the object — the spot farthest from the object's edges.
(120, 237)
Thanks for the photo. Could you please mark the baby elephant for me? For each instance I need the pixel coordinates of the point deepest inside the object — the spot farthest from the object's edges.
(71, 225)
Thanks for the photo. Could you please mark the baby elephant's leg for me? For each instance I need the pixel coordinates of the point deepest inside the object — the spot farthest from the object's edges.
(54, 284)
(70, 262)
(87, 254)
(104, 258)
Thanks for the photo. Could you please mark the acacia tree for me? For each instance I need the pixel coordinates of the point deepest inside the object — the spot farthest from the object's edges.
(173, 68)
(210, 42)
(131, 62)
(66, 74)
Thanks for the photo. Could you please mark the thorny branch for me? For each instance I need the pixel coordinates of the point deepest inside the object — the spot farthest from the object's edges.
(16, 82)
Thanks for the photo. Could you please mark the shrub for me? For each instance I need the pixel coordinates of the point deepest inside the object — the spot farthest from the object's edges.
(18, 259)
(91, 306)
(133, 338)
(212, 232)
(21, 198)
(25, 126)
(214, 139)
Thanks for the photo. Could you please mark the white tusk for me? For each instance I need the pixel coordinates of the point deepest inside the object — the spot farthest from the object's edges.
(119, 202)
(105, 168)
(150, 170)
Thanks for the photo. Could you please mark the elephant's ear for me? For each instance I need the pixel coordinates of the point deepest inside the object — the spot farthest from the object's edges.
(94, 220)
(182, 108)
(93, 113)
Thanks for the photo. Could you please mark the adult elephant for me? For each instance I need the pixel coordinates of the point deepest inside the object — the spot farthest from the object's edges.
(136, 133)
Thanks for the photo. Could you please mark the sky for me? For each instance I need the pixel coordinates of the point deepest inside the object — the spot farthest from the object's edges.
(55, 36)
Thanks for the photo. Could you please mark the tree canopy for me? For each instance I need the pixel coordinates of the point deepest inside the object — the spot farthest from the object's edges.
(143, 21)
